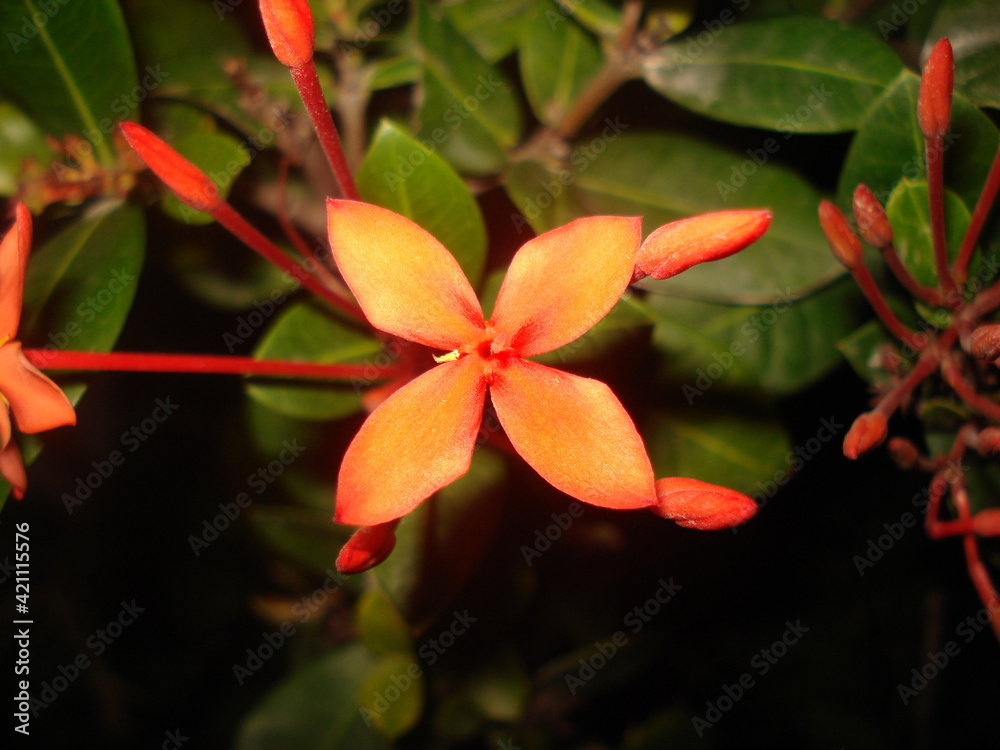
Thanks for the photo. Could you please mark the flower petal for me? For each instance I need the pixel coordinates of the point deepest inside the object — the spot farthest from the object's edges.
(413, 444)
(700, 505)
(564, 281)
(407, 282)
(13, 262)
(290, 30)
(575, 433)
(36, 402)
(12, 469)
(366, 548)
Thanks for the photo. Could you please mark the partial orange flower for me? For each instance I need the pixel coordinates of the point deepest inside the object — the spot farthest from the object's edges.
(35, 401)
(573, 431)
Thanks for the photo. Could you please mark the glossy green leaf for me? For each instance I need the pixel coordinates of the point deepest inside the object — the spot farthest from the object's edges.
(973, 28)
(604, 18)
(493, 28)
(729, 447)
(639, 175)
(220, 156)
(381, 626)
(468, 109)
(396, 676)
(558, 59)
(389, 72)
(304, 535)
(909, 213)
(889, 146)
(82, 281)
(793, 75)
(441, 543)
(20, 139)
(307, 333)
(401, 174)
(864, 349)
(776, 350)
(69, 66)
(316, 708)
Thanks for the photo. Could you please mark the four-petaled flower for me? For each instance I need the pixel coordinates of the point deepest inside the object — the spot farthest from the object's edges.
(35, 401)
(572, 430)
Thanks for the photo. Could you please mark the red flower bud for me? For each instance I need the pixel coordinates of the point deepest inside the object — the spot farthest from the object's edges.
(368, 547)
(987, 522)
(699, 505)
(186, 181)
(988, 442)
(870, 215)
(843, 241)
(903, 452)
(867, 432)
(936, 83)
(677, 246)
(984, 342)
(290, 30)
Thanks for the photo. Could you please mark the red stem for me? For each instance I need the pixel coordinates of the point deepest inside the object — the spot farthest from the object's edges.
(935, 194)
(50, 359)
(874, 296)
(245, 232)
(967, 393)
(307, 82)
(931, 296)
(979, 214)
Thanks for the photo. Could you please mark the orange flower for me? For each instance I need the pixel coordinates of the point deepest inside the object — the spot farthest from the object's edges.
(571, 430)
(35, 401)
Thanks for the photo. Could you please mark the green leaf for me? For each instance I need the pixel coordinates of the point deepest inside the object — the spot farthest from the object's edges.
(401, 174)
(220, 156)
(889, 146)
(381, 626)
(557, 60)
(304, 535)
(398, 676)
(20, 139)
(468, 110)
(776, 350)
(863, 349)
(628, 314)
(794, 75)
(639, 175)
(316, 708)
(909, 214)
(735, 448)
(441, 543)
(81, 282)
(973, 28)
(493, 28)
(308, 333)
(69, 66)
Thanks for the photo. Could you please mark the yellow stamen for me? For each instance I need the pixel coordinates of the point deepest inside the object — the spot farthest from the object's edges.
(449, 357)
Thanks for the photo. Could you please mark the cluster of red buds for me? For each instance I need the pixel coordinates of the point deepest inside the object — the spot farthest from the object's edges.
(965, 351)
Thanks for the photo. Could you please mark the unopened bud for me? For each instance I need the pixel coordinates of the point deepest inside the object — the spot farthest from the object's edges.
(14, 249)
(867, 432)
(290, 30)
(903, 452)
(987, 522)
(700, 505)
(368, 547)
(843, 241)
(936, 83)
(187, 181)
(988, 442)
(872, 222)
(984, 343)
(677, 246)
